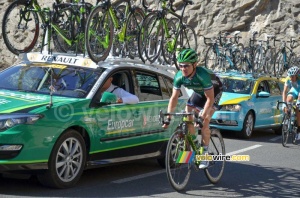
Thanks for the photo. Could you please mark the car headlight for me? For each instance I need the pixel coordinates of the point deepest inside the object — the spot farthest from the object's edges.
(8, 121)
(235, 107)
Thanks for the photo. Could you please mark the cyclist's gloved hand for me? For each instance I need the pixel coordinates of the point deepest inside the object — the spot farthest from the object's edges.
(166, 123)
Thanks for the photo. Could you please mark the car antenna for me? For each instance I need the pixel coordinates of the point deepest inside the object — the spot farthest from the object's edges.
(51, 90)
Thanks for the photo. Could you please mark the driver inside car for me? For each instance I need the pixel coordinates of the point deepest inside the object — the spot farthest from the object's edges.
(122, 95)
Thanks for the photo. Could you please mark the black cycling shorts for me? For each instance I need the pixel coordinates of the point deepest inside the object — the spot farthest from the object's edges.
(198, 101)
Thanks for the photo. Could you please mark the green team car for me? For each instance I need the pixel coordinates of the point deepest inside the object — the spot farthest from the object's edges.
(54, 121)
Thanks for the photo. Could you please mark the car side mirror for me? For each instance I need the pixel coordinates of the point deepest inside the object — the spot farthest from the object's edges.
(108, 98)
(263, 94)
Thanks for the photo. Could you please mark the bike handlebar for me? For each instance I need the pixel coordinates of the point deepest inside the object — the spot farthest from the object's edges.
(195, 115)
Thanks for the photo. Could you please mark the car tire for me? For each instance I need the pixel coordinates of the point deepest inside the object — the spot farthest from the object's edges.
(67, 161)
(278, 131)
(248, 126)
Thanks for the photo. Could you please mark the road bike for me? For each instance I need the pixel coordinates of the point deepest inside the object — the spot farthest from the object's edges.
(64, 24)
(285, 57)
(224, 52)
(162, 36)
(180, 145)
(107, 24)
(289, 123)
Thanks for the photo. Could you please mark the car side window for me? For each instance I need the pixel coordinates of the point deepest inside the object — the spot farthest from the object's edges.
(149, 86)
(263, 86)
(166, 87)
(121, 80)
(274, 88)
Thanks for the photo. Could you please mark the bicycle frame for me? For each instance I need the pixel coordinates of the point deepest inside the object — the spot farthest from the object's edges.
(289, 123)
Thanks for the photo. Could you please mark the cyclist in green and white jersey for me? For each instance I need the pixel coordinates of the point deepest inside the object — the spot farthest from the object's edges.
(207, 93)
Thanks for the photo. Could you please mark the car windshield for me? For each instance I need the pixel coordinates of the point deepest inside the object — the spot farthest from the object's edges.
(233, 85)
(62, 80)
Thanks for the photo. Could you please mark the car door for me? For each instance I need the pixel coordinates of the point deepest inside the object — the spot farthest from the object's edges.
(154, 91)
(276, 95)
(263, 105)
(118, 125)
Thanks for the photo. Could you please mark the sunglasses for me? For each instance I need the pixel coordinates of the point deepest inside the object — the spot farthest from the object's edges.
(184, 66)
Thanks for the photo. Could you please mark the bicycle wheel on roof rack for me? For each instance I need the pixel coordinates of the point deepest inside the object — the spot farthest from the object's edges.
(68, 20)
(259, 60)
(278, 64)
(99, 33)
(141, 37)
(168, 42)
(20, 27)
(133, 27)
(211, 59)
(150, 37)
(269, 61)
(247, 61)
(187, 38)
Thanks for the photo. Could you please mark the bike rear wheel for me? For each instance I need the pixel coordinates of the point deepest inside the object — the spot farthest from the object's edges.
(215, 169)
(99, 34)
(20, 27)
(178, 173)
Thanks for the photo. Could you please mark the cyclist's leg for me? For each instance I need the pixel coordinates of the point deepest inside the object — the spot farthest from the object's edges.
(196, 102)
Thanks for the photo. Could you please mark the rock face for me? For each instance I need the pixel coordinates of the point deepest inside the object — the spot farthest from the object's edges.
(208, 17)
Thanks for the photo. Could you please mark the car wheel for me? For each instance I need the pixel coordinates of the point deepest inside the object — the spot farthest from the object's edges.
(278, 131)
(247, 126)
(66, 162)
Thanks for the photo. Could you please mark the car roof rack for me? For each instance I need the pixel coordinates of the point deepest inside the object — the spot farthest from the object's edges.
(84, 61)
(57, 58)
(115, 61)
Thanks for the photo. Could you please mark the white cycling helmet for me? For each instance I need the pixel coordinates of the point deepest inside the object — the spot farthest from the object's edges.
(293, 71)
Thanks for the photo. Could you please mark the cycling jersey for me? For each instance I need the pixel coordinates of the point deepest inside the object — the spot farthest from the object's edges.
(204, 79)
(295, 85)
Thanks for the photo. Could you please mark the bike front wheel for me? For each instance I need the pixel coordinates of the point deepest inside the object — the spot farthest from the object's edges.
(178, 173)
(285, 131)
(20, 27)
(216, 147)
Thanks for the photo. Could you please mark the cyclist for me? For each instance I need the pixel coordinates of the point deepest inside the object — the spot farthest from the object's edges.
(207, 93)
(291, 92)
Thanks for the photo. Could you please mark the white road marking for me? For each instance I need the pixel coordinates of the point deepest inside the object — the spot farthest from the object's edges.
(120, 181)
(275, 138)
(244, 149)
